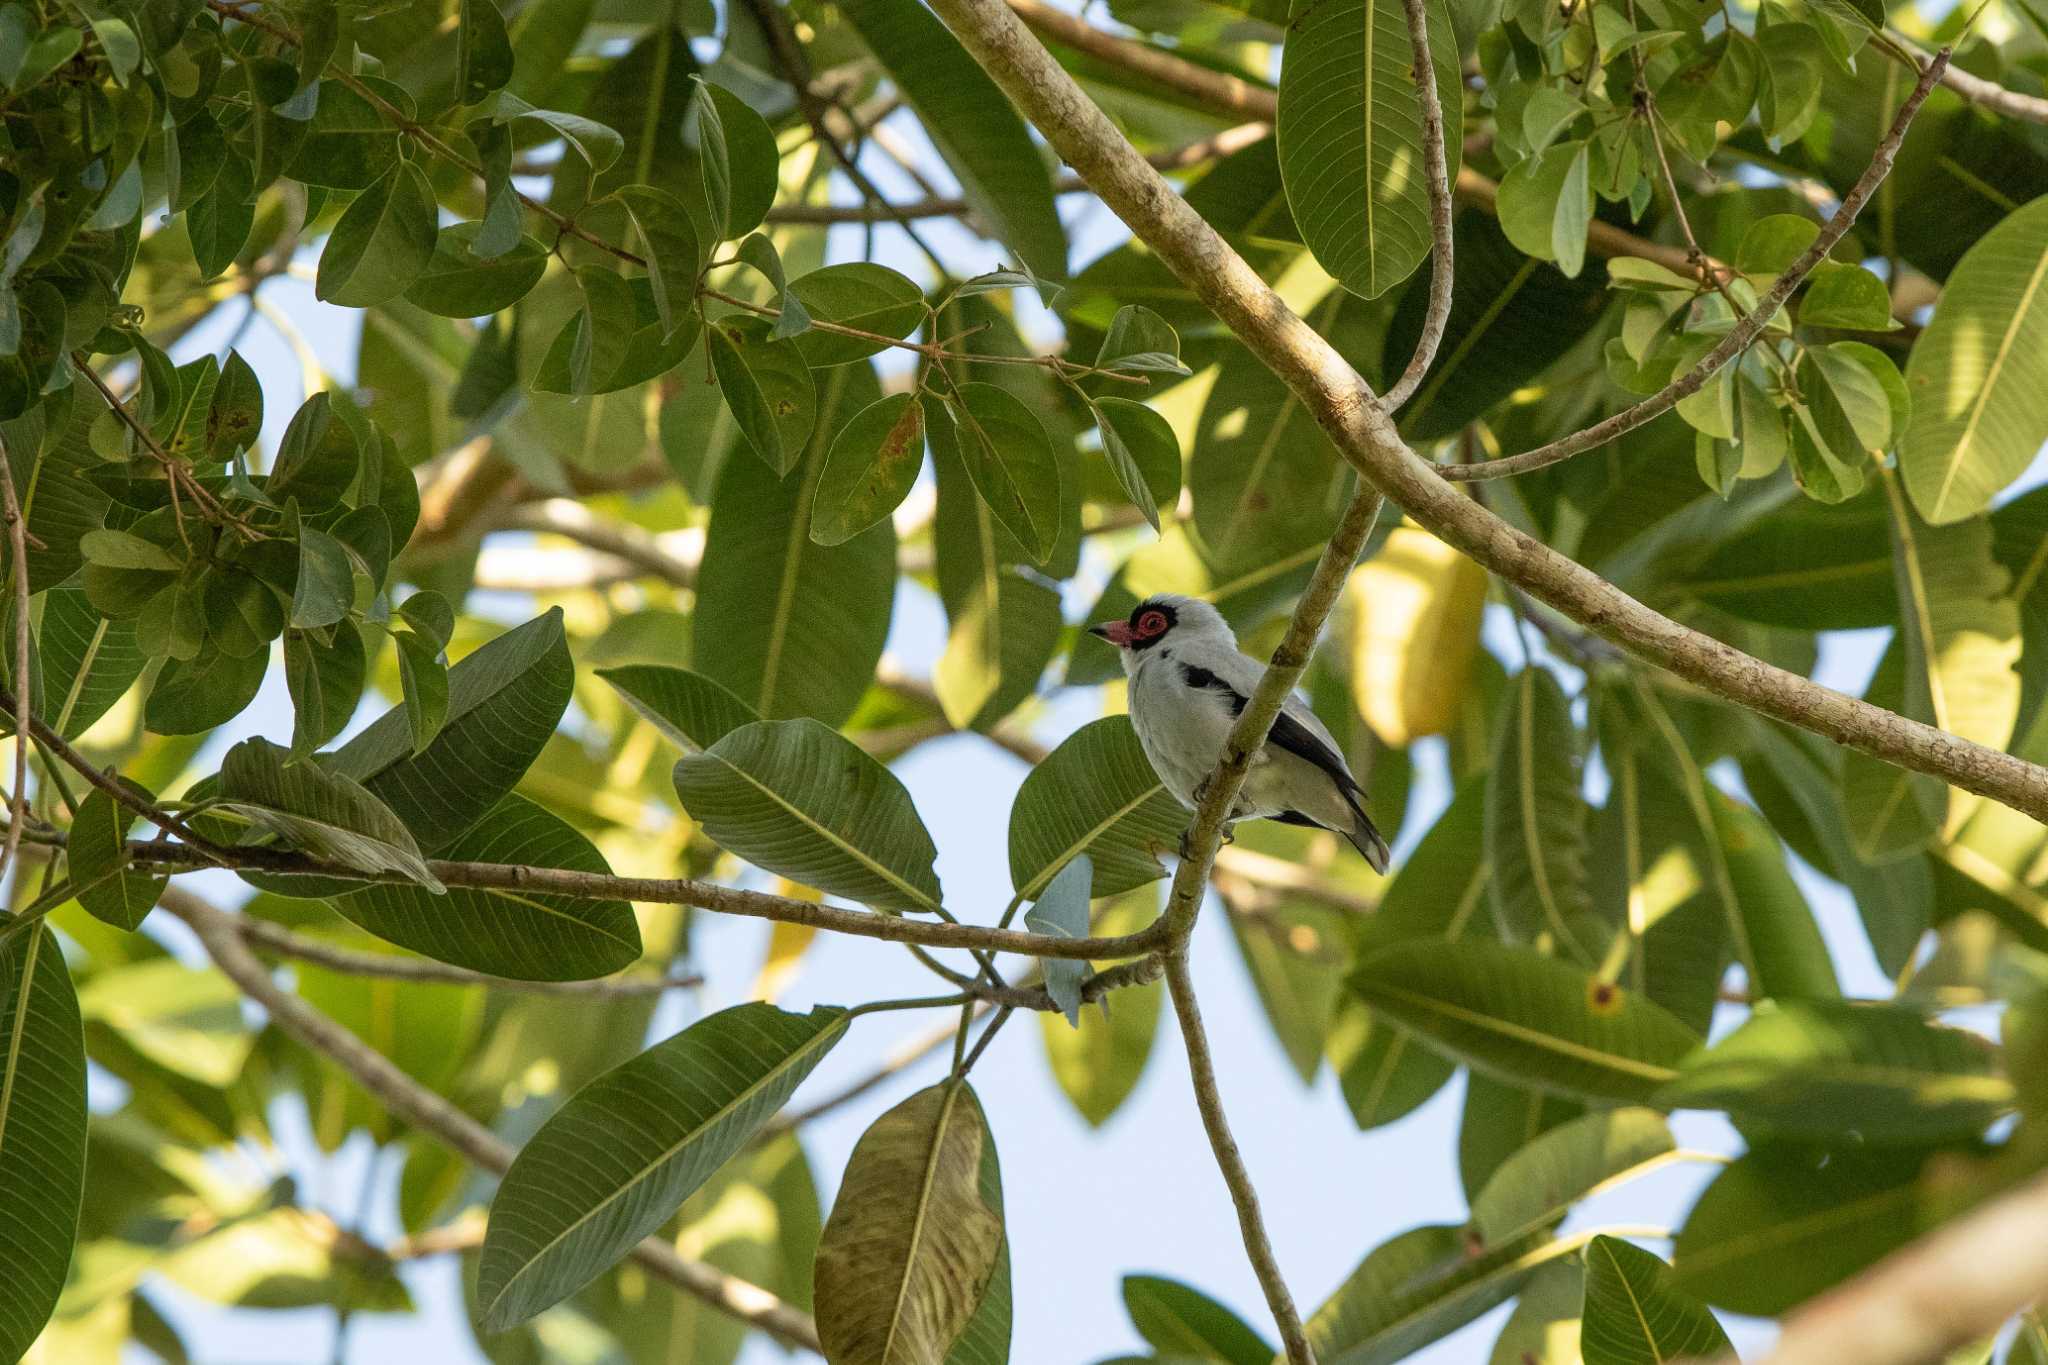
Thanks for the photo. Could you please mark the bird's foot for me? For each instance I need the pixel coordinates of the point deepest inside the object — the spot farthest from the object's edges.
(1228, 835)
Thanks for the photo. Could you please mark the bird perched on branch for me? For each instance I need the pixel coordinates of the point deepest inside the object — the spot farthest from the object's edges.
(1189, 683)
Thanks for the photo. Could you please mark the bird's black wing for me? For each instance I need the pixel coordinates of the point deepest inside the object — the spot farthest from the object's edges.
(1288, 733)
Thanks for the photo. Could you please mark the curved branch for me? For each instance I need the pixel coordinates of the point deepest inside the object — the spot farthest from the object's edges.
(1743, 332)
(1343, 405)
(409, 1100)
(1436, 172)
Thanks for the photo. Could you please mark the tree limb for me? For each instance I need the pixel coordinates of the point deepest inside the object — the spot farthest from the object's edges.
(409, 1100)
(1435, 171)
(1943, 1292)
(1990, 94)
(1344, 406)
(1745, 331)
(17, 571)
(278, 941)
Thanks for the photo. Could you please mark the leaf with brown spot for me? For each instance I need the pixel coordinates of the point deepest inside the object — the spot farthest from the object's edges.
(872, 464)
(912, 1244)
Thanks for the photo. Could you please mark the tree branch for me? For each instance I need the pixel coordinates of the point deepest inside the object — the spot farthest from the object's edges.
(17, 570)
(1344, 406)
(278, 941)
(409, 1100)
(1251, 1223)
(1436, 172)
(1745, 331)
(1950, 1288)
(1990, 94)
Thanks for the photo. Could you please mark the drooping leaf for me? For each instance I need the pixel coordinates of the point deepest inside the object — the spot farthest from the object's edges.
(1536, 818)
(1636, 1316)
(42, 1132)
(508, 931)
(1527, 1018)
(1980, 393)
(1095, 794)
(1008, 455)
(912, 1244)
(1350, 137)
(318, 810)
(1817, 1070)
(612, 1164)
(798, 799)
(974, 126)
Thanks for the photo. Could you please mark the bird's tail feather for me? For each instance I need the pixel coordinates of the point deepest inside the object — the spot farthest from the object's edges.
(1366, 838)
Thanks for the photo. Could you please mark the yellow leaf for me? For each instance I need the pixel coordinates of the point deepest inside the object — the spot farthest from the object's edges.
(1417, 605)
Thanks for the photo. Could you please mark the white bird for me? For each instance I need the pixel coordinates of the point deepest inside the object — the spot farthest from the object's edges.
(1189, 682)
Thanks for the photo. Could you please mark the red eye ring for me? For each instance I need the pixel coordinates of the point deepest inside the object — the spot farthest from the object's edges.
(1152, 623)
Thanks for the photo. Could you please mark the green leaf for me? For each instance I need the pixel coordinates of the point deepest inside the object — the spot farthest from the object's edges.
(42, 1132)
(1139, 341)
(120, 550)
(1536, 817)
(505, 700)
(1544, 1328)
(326, 588)
(912, 1244)
(1533, 1189)
(1806, 566)
(98, 856)
(798, 799)
(1527, 1018)
(1061, 911)
(1413, 1289)
(318, 458)
(1635, 1316)
(87, 661)
(1180, 1320)
(483, 54)
(690, 709)
(423, 679)
(382, 242)
(1010, 459)
(767, 388)
(1979, 374)
(612, 1165)
(1098, 1062)
(791, 627)
(1771, 244)
(760, 253)
(1095, 794)
(597, 144)
(322, 812)
(197, 695)
(872, 464)
(858, 294)
(1438, 893)
(668, 239)
(1143, 453)
(1350, 137)
(1782, 1224)
(1003, 634)
(1546, 203)
(1848, 296)
(326, 683)
(1840, 1071)
(460, 283)
(751, 159)
(430, 616)
(974, 126)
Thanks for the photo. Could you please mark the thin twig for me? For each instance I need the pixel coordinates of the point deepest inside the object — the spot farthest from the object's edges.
(278, 941)
(409, 1100)
(1744, 332)
(1435, 166)
(1209, 1101)
(1977, 90)
(17, 570)
(203, 850)
(174, 468)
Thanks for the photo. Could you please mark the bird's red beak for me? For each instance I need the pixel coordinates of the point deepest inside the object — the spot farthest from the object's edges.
(1117, 633)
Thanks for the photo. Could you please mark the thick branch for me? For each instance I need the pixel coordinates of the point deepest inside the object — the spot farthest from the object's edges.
(409, 1100)
(1436, 172)
(1747, 330)
(1251, 1223)
(1343, 405)
(1943, 1292)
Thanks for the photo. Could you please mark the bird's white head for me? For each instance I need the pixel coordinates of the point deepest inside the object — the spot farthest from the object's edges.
(1167, 618)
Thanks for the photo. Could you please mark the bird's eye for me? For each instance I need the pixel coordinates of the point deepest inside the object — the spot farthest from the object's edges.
(1152, 623)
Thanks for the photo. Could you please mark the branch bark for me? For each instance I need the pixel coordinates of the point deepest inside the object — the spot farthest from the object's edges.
(1435, 170)
(1344, 405)
(278, 941)
(1743, 332)
(1943, 1292)
(17, 572)
(463, 1135)
(1990, 94)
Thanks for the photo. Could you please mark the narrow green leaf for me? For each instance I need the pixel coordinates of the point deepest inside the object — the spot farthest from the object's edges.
(1414, 1288)
(1526, 1018)
(1143, 453)
(319, 810)
(42, 1132)
(98, 856)
(1010, 459)
(690, 709)
(767, 388)
(798, 799)
(912, 1244)
(858, 294)
(325, 680)
(1538, 1185)
(1350, 137)
(326, 587)
(612, 1165)
(1536, 817)
(423, 679)
(1635, 1316)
